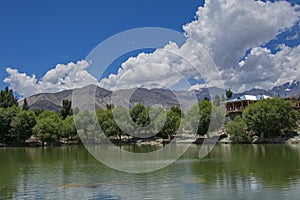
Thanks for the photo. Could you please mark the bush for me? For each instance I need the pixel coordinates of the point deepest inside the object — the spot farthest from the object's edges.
(270, 117)
(204, 117)
(22, 125)
(48, 127)
(237, 129)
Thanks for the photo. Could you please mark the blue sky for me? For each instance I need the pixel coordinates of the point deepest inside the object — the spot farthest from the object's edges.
(247, 40)
(37, 35)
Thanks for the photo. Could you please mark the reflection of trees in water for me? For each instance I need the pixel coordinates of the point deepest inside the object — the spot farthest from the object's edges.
(272, 165)
(228, 167)
(141, 148)
(8, 172)
(24, 166)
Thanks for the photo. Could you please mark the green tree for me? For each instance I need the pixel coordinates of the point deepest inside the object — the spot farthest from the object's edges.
(172, 123)
(287, 114)
(7, 98)
(270, 116)
(217, 100)
(108, 125)
(223, 98)
(143, 118)
(136, 111)
(122, 122)
(206, 99)
(177, 110)
(66, 109)
(6, 117)
(68, 129)
(237, 130)
(109, 106)
(22, 125)
(217, 118)
(25, 105)
(88, 127)
(38, 111)
(229, 93)
(48, 127)
(158, 115)
(199, 118)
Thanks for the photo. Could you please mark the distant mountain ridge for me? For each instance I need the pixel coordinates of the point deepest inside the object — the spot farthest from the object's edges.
(286, 90)
(150, 97)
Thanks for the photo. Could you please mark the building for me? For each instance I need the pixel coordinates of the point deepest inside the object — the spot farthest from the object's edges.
(295, 101)
(237, 105)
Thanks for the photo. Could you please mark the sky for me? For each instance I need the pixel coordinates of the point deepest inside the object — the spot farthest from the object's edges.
(44, 45)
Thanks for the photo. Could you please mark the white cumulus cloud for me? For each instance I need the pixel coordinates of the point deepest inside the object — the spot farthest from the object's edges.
(263, 69)
(62, 77)
(226, 29)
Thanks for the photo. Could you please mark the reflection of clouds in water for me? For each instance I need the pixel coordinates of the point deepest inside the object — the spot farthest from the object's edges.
(254, 184)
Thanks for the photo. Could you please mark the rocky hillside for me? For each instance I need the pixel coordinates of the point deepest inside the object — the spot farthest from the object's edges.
(148, 97)
(152, 97)
(285, 90)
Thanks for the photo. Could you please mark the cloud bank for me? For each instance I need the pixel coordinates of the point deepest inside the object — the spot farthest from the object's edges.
(60, 78)
(226, 29)
(235, 33)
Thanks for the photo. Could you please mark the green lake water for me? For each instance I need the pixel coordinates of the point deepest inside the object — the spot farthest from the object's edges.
(228, 172)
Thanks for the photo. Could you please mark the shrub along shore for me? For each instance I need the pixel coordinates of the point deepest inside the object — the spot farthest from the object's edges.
(267, 121)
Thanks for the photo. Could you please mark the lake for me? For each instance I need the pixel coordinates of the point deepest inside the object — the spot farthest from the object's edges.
(228, 172)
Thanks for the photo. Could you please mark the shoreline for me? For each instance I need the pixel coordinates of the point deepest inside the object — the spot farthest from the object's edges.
(222, 139)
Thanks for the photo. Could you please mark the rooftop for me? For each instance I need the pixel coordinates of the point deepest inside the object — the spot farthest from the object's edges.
(248, 98)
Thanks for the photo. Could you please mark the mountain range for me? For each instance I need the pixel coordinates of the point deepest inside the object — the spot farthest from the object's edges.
(286, 90)
(150, 97)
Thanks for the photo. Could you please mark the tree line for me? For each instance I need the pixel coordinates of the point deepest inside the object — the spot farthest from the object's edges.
(17, 124)
(148, 122)
(266, 118)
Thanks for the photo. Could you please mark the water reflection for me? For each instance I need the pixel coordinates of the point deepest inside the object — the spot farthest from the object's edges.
(229, 171)
(252, 169)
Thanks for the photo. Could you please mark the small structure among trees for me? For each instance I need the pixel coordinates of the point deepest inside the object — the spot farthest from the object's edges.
(266, 118)
(295, 101)
(237, 105)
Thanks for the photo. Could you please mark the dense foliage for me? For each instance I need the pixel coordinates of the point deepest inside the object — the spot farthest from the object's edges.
(87, 126)
(229, 93)
(66, 109)
(6, 117)
(7, 98)
(68, 129)
(173, 120)
(18, 124)
(217, 100)
(204, 118)
(140, 121)
(22, 125)
(47, 128)
(265, 118)
(270, 116)
(25, 105)
(237, 129)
